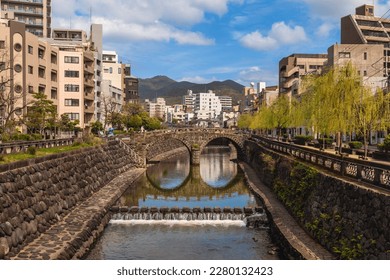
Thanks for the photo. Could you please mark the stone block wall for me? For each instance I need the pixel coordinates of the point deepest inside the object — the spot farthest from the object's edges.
(36, 195)
(349, 219)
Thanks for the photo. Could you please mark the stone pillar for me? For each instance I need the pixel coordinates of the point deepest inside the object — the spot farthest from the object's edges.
(195, 156)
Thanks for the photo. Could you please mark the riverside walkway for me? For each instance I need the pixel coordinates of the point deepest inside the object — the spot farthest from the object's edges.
(307, 247)
(73, 235)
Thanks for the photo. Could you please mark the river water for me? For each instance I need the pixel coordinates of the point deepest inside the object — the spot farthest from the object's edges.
(218, 181)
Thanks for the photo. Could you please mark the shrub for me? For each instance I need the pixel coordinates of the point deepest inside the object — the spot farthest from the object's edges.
(32, 150)
(302, 139)
(2, 158)
(355, 144)
(385, 147)
(328, 141)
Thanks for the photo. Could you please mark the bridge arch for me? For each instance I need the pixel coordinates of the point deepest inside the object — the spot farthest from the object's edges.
(193, 139)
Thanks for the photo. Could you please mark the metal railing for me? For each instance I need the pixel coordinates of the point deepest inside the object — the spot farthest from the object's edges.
(371, 172)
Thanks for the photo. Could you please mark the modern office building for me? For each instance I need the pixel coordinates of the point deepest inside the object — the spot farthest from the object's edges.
(294, 67)
(36, 14)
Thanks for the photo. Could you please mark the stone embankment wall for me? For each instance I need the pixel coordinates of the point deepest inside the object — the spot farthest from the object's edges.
(36, 196)
(161, 148)
(349, 219)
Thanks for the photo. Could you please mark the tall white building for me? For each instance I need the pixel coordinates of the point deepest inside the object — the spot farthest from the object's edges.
(207, 106)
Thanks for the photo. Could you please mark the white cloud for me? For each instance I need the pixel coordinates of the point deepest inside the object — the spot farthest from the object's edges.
(324, 29)
(280, 34)
(146, 20)
(198, 80)
(256, 74)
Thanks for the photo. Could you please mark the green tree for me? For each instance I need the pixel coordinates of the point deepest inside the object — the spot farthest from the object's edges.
(96, 127)
(279, 115)
(41, 115)
(134, 121)
(245, 121)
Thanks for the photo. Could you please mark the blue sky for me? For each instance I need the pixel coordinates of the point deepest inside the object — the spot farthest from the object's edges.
(206, 40)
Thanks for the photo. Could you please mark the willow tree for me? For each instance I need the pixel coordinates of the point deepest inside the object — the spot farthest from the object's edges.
(316, 106)
(280, 114)
(372, 113)
(262, 119)
(244, 121)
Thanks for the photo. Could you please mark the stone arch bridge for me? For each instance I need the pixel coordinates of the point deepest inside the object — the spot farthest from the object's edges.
(151, 144)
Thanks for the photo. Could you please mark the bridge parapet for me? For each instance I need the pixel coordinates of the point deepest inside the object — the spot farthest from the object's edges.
(369, 172)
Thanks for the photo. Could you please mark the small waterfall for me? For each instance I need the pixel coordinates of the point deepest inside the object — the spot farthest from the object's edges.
(251, 217)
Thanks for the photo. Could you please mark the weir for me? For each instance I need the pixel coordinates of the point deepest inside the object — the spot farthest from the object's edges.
(252, 217)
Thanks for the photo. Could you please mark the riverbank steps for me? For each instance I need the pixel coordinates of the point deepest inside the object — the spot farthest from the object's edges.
(44, 198)
(348, 218)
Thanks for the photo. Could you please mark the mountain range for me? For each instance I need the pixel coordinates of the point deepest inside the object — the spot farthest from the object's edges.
(173, 91)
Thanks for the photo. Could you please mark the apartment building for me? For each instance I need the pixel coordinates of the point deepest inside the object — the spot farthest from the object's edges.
(365, 28)
(112, 86)
(368, 60)
(36, 14)
(156, 108)
(131, 84)
(294, 67)
(207, 105)
(226, 103)
(28, 64)
(78, 57)
(268, 96)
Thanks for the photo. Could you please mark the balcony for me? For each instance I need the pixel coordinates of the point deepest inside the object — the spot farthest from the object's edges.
(29, 2)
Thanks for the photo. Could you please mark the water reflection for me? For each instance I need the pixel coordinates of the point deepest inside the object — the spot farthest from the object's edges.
(216, 182)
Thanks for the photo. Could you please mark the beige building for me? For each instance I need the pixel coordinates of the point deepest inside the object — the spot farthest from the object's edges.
(36, 14)
(156, 108)
(294, 67)
(365, 28)
(78, 57)
(29, 64)
(367, 59)
(268, 96)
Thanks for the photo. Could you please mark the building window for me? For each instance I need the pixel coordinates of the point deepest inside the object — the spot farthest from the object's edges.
(30, 69)
(41, 72)
(53, 94)
(365, 73)
(2, 66)
(119, 70)
(30, 89)
(18, 47)
(72, 88)
(365, 56)
(30, 50)
(344, 54)
(72, 74)
(2, 44)
(72, 102)
(313, 67)
(72, 59)
(110, 70)
(106, 70)
(41, 53)
(18, 89)
(74, 116)
(53, 58)
(18, 68)
(53, 76)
